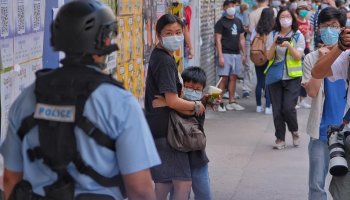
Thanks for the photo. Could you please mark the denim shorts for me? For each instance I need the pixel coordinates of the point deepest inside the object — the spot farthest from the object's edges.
(232, 65)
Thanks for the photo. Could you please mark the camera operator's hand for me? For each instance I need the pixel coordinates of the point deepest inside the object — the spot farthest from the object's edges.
(286, 44)
(323, 51)
(345, 37)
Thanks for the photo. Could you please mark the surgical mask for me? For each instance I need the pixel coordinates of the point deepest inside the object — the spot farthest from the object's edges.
(348, 23)
(293, 6)
(172, 43)
(238, 9)
(185, 2)
(286, 22)
(231, 11)
(324, 5)
(303, 13)
(192, 95)
(329, 35)
(314, 6)
(275, 4)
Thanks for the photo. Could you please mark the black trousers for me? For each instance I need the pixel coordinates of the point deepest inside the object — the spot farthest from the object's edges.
(284, 98)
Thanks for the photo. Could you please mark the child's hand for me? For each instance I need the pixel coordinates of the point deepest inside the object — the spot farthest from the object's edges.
(204, 99)
(159, 101)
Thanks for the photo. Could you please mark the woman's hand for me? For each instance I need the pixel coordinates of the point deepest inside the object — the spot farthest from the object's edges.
(286, 44)
(159, 102)
(221, 61)
(201, 109)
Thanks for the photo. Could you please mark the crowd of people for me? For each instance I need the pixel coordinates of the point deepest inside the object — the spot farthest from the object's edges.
(76, 134)
(303, 52)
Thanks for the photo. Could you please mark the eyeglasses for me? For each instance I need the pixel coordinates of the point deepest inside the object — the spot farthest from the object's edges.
(329, 25)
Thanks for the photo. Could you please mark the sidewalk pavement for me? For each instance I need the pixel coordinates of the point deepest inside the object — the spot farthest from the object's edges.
(243, 165)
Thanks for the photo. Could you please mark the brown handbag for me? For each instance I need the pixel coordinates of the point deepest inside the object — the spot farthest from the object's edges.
(184, 133)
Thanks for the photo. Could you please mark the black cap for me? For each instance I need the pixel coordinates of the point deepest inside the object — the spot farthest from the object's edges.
(227, 2)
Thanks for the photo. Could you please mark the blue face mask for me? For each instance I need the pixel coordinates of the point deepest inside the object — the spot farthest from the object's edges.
(172, 43)
(185, 2)
(329, 35)
(192, 95)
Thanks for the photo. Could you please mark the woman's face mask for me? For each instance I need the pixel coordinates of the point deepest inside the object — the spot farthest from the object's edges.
(324, 5)
(303, 13)
(286, 22)
(329, 35)
(172, 43)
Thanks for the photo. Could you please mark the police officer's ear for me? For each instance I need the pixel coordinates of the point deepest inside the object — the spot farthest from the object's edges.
(98, 58)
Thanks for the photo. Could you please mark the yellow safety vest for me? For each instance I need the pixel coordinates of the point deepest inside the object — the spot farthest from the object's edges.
(294, 67)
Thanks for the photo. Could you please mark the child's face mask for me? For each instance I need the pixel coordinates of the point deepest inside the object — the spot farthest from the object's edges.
(192, 95)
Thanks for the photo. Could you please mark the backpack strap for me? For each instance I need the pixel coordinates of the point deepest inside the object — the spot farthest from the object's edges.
(95, 133)
(27, 124)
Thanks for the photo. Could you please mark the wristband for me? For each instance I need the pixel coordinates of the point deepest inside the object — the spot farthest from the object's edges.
(197, 107)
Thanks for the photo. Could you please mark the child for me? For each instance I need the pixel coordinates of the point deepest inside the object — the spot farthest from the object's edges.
(194, 81)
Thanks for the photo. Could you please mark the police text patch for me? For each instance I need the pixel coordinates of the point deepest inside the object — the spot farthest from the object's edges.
(55, 113)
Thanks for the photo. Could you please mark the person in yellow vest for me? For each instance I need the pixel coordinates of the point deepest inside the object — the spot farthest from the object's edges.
(285, 45)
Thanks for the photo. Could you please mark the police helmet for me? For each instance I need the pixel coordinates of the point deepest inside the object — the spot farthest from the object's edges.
(84, 27)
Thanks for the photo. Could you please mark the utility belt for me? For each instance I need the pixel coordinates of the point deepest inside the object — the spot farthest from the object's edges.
(23, 191)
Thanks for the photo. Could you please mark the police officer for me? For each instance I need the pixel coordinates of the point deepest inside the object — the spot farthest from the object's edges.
(76, 133)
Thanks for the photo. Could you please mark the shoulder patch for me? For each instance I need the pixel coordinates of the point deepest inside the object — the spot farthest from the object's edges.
(55, 113)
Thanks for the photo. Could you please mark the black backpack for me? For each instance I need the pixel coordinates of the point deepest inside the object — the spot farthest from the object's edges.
(61, 95)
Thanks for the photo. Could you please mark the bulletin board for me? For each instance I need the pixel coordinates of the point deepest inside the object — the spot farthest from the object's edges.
(21, 41)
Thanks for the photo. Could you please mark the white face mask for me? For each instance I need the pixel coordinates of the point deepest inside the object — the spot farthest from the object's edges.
(231, 11)
(172, 43)
(286, 22)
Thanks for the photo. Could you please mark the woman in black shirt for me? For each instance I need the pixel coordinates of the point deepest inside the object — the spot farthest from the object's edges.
(163, 80)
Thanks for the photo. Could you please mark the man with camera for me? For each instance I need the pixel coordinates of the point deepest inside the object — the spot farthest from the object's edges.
(327, 105)
(334, 65)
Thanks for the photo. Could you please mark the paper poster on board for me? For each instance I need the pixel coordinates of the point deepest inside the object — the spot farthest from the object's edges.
(6, 83)
(37, 29)
(6, 34)
(22, 19)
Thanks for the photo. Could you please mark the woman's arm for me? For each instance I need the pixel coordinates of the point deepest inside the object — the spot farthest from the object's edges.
(176, 103)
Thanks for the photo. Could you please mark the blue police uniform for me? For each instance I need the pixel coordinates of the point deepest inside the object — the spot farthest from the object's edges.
(114, 111)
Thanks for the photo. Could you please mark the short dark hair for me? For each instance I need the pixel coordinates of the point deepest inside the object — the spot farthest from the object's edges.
(227, 2)
(330, 13)
(260, 1)
(194, 74)
(278, 23)
(167, 19)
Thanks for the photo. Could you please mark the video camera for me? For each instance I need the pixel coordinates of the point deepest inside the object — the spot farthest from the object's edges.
(280, 39)
(338, 140)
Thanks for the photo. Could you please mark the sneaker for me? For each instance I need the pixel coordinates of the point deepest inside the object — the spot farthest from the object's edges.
(259, 109)
(268, 111)
(221, 108)
(234, 106)
(279, 144)
(303, 104)
(245, 95)
(297, 106)
(296, 139)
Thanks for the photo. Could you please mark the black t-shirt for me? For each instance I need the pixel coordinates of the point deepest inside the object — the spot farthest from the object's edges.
(230, 29)
(162, 77)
